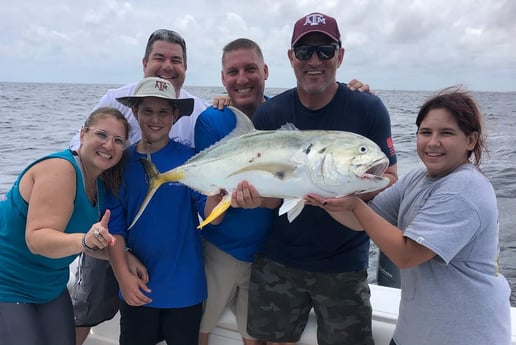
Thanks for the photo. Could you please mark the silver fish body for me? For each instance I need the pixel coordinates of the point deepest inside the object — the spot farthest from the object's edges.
(287, 164)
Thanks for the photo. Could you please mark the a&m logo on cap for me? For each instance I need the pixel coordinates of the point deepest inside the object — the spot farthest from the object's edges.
(314, 19)
(161, 85)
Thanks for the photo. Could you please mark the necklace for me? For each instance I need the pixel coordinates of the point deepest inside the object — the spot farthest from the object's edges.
(90, 189)
(92, 192)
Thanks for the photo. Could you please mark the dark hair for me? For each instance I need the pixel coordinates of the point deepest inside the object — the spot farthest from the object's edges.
(168, 36)
(112, 177)
(464, 109)
(241, 43)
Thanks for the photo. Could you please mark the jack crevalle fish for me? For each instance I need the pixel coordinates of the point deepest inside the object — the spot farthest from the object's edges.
(285, 163)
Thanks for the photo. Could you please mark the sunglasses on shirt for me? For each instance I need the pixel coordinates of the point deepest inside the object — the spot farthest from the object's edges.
(324, 51)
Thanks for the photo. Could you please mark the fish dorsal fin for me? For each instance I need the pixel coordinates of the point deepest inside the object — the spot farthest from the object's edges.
(288, 127)
(243, 124)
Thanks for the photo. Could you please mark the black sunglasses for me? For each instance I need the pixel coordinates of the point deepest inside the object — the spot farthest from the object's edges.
(324, 51)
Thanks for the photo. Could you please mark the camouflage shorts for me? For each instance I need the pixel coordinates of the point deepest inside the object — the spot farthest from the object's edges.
(280, 299)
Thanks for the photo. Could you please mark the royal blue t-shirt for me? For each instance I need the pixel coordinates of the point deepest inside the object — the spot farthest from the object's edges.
(242, 232)
(165, 238)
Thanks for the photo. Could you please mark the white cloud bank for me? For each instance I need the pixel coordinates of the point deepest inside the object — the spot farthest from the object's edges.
(391, 44)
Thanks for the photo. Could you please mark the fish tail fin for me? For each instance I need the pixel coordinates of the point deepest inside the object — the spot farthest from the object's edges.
(156, 179)
(145, 202)
(221, 207)
(150, 169)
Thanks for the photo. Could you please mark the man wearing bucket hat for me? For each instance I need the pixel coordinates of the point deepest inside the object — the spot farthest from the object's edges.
(314, 262)
(95, 291)
(167, 302)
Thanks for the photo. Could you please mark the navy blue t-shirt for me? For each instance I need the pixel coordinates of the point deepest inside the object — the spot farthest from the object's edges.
(314, 241)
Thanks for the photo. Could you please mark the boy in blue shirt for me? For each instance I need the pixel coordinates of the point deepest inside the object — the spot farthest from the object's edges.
(168, 302)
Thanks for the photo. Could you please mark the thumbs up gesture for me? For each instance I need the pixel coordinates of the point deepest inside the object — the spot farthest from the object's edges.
(98, 237)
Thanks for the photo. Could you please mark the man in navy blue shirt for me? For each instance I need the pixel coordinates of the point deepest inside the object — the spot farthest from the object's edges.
(315, 262)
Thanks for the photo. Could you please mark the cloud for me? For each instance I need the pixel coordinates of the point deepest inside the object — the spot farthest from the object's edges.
(391, 44)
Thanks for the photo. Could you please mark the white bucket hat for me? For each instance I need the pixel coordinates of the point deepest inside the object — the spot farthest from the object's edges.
(161, 88)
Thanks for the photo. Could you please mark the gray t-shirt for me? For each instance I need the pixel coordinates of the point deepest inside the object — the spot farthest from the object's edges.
(458, 297)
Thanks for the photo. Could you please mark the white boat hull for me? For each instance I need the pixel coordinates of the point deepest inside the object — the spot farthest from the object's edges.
(384, 300)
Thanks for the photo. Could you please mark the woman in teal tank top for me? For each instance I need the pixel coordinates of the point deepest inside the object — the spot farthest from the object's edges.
(49, 216)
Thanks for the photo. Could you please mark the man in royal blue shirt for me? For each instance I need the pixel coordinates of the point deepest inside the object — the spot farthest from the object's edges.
(230, 247)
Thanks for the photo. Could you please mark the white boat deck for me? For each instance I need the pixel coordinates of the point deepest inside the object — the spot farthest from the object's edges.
(385, 312)
(384, 299)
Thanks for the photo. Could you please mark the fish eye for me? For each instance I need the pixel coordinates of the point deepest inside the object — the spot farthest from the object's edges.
(362, 149)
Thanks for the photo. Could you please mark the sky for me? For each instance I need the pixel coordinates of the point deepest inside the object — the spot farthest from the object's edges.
(390, 44)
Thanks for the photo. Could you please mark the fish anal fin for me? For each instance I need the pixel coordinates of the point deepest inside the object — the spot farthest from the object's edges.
(221, 207)
(292, 207)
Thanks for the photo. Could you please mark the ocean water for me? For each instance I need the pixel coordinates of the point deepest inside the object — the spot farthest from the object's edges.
(39, 118)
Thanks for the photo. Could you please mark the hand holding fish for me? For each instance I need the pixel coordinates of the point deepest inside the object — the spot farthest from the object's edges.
(246, 196)
(341, 209)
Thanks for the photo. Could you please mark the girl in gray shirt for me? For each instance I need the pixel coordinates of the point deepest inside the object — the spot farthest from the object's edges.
(439, 224)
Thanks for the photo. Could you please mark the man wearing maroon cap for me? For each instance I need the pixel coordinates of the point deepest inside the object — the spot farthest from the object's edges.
(315, 262)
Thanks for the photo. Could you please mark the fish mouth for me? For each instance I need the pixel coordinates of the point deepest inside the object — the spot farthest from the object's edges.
(376, 169)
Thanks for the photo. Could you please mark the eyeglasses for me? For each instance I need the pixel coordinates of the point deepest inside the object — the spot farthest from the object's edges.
(102, 137)
(324, 51)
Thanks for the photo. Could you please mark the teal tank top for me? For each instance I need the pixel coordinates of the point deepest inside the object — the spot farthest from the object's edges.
(30, 278)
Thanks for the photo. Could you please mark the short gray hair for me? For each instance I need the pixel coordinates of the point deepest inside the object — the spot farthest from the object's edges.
(168, 36)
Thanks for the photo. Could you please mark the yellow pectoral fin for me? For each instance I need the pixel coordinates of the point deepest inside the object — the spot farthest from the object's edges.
(221, 207)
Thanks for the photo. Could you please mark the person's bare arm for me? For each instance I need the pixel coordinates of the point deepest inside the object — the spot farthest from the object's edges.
(131, 285)
(49, 189)
(356, 214)
(136, 267)
(213, 201)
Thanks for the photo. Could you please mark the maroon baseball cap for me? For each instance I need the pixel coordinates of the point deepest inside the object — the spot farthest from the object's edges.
(316, 22)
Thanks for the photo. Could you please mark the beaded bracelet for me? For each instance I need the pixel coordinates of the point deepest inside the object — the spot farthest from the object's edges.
(86, 247)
